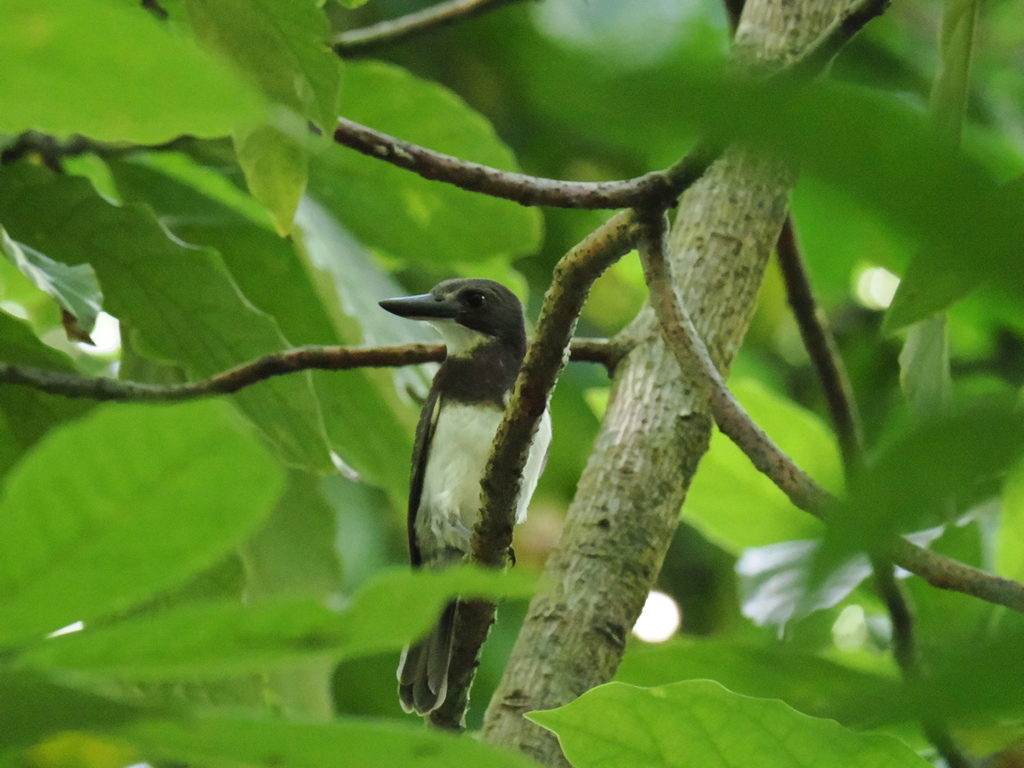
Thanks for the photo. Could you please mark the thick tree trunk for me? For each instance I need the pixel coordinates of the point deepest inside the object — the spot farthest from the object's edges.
(657, 427)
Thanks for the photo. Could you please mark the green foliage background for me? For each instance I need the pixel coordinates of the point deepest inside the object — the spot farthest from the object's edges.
(245, 602)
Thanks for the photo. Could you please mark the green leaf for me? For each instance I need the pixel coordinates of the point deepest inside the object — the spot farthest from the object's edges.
(33, 707)
(124, 503)
(294, 553)
(29, 414)
(1010, 538)
(700, 723)
(367, 425)
(924, 368)
(179, 298)
(737, 506)
(426, 220)
(216, 640)
(775, 589)
(806, 682)
(275, 167)
(910, 483)
(951, 90)
(352, 743)
(73, 288)
(933, 281)
(64, 60)
(283, 47)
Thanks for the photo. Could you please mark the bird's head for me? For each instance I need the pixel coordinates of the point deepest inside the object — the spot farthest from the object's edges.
(467, 313)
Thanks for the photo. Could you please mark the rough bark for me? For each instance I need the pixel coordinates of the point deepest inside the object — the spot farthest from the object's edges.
(657, 426)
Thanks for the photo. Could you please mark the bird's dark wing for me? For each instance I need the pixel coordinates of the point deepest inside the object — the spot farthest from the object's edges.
(421, 449)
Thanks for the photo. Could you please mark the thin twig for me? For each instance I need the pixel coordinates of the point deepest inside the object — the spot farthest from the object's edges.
(354, 42)
(694, 360)
(842, 406)
(607, 353)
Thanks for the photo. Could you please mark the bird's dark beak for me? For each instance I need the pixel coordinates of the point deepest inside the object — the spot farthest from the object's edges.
(426, 306)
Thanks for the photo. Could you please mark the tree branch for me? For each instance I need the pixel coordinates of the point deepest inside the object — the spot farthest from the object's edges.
(681, 336)
(602, 351)
(573, 276)
(518, 187)
(652, 190)
(356, 42)
(821, 347)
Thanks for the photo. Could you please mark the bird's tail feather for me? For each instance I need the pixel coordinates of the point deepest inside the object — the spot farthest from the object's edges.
(423, 671)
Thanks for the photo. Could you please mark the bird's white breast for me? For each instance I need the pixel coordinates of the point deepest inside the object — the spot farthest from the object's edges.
(450, 501)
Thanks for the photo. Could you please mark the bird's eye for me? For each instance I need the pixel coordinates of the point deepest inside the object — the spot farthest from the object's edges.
(474, 299)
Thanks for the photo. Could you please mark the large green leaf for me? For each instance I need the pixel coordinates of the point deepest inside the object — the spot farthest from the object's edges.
(700, 723)
(179, 298)
(115, 507)
(411, 217)
(220, 639)
(281, 46)
(366, 423)
(808, 683)
(108, 70)
(346, 743)
(736, 505)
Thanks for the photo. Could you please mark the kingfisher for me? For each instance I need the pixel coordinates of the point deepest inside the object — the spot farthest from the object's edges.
(483, 328)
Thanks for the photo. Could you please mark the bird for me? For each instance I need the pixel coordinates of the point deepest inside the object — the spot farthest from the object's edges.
(482, 324)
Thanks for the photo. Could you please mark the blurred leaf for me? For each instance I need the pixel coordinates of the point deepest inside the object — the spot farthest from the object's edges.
(281, 46)
(930, 284)
(425, 220)
(293, 553)
(928, 287)
(973, 678)
(737, 506)
(275, 167)
(28, 413)
(951, 91)
(774, 583)
(344, 742)
(909, 484)
(808, 683)
(33, 707)
(1010, 547)
(179, 298)
(699, 723)
(213, 640)
(838, 233)
(947, 617)
(73, 288)
(64, 60)
(924, 368)
(119, 505)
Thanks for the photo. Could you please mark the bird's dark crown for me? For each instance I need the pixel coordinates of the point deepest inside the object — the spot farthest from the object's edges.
(484, 306)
